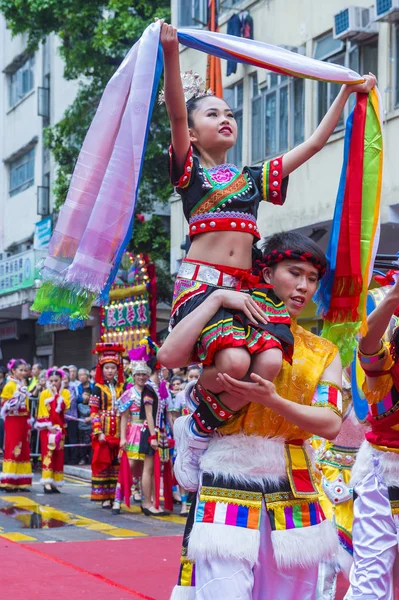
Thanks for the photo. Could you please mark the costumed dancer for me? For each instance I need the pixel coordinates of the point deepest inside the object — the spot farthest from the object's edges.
(375, 475)
(104, 412)
(221, 204)
(155, 444)
(129, 406)
(17, 470)
(257, 529)
(335, 459)
(53, 403)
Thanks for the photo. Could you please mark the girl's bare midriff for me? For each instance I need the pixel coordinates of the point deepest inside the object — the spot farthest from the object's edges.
(230, 248)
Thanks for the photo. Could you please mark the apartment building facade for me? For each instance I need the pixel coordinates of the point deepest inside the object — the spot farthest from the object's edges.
(33, 95)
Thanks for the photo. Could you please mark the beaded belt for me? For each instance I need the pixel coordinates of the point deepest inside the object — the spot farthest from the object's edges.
(211, 275)
(223, 221)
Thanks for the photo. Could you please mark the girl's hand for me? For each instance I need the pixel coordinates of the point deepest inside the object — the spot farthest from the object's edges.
(244, 303)
(154, 444)
(122, 444)
(101, 438)
(168, 38)
(365, 87)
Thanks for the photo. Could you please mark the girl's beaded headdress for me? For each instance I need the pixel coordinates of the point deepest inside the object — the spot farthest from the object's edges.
(193, 87)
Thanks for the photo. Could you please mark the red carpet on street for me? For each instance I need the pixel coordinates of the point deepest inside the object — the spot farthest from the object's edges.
(143, 568)
(104, 569)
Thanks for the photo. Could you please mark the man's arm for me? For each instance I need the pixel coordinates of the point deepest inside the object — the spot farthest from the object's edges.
(316, 419)
(176, 350)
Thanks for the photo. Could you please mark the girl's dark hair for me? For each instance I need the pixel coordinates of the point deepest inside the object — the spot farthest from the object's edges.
(176, 378)
(192, 106)
(15, 363)
(296, 242)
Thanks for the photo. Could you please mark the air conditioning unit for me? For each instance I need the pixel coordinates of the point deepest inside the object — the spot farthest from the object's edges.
(386, 10)
(354, 23)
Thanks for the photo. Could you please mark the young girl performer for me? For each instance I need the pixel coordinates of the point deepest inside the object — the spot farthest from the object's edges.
(53, 403)
(129, 406)
(106, 422)
(17, 469)
(221, 205)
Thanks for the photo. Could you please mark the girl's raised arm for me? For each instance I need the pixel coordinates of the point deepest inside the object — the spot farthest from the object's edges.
(174, 95)
(299, 155)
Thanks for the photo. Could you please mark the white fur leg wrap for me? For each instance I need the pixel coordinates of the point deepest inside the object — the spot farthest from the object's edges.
(345, 561)
(306, 546)
(210, 541)
(245, 458)
(183, 592)
(384, 464)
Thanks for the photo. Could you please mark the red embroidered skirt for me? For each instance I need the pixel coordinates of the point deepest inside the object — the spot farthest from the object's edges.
(196, 281)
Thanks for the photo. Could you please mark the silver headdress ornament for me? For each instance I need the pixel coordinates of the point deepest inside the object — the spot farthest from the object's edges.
(193, 87)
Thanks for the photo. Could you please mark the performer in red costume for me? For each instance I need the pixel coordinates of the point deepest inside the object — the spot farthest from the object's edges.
(109, 386)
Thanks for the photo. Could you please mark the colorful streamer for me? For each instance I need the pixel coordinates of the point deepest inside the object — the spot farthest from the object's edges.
(95, 223)
(342, 294)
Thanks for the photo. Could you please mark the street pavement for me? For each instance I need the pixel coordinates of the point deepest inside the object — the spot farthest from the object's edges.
(85, 550)
(71, 516)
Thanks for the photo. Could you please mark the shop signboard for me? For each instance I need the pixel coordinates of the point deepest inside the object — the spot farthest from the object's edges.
(19, 271)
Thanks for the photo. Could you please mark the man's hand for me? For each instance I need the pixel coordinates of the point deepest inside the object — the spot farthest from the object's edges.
(261, 390)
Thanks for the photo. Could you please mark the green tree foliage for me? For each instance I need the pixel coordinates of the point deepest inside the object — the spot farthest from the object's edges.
(95, 36)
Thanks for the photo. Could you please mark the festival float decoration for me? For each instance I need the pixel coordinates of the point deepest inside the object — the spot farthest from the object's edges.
(130, 314)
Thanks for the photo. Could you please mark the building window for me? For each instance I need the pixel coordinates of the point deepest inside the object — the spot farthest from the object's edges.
(226, 5)
(234, 97)
(22, 172)
(362, 58)
(277, 116)
(21, 82)
(192, 13)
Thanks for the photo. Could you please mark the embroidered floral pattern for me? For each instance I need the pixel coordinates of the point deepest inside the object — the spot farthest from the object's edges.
(223, 173)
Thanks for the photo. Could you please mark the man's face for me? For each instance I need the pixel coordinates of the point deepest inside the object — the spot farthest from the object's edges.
(35, 371)
(83, 377)
(73, 373)
(295, 282)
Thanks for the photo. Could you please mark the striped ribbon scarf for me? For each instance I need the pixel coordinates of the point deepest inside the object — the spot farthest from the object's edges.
(95, 223)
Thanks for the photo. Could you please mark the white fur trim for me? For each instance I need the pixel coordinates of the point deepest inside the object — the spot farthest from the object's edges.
(183, 592)
(345, 561)
(60, 400)
(245, 458)
(48, 400)
(306, 546)
(369, 460)
(50, 481)
(15, 476)
(43, 425)
(210, 540)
